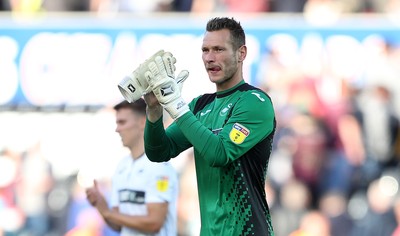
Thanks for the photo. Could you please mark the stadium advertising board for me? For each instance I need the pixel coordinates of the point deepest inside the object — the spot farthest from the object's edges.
(78, 60)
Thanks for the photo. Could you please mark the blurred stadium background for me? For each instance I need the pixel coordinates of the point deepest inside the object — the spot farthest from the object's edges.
(331, 67)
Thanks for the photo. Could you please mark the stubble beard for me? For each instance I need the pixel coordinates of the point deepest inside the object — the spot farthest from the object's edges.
(228, 77)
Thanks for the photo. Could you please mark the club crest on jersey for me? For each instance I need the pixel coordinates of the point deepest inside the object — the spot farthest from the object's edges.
(225, 110)
(162, 184)
(238, 133)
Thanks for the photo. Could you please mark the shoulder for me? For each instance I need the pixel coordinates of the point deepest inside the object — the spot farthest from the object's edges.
(253, 96)
(249, 90)
(254, 104)
(160, 168)
(122, 166)
(123, 162)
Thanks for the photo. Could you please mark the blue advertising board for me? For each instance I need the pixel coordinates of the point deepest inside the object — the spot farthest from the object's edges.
(58, 60)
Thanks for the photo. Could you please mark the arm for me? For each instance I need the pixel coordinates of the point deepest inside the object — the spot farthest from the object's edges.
(116, 227)
(160, 195)
(160, 144)
(160, 191)
(97, 200)
(150, 223)
(157, 203)
(154, 111)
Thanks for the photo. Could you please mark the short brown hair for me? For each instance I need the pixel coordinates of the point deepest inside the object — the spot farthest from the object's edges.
(238, 37)
(138, 106)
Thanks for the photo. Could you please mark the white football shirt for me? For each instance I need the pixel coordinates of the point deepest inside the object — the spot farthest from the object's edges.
(140, 181)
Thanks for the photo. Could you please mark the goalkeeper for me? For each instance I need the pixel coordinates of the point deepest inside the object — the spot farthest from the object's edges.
(230, 130)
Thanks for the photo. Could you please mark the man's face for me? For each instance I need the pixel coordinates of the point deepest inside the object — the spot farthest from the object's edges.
(130, 126)
(219, 59)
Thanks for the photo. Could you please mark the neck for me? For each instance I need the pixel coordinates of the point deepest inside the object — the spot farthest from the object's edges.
(137, 150)
(230, 82)
(137, 154)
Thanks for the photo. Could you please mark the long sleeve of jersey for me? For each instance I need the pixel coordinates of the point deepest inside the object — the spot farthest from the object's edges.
(213, 125)
(209, 146)
(159, 146)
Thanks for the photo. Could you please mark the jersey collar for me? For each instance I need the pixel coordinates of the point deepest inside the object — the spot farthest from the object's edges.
(228, 92)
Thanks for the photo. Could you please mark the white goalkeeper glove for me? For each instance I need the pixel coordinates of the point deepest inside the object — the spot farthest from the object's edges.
(161, 79)
(134, 86)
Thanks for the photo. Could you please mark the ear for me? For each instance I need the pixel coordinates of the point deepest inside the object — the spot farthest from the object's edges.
(242, 52)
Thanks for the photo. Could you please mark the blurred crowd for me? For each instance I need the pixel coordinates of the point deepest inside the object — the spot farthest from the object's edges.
(203, 6)
(335, 168)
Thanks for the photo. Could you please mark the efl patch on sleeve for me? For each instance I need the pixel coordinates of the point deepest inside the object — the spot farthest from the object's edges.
(238, 133)
(162, 184)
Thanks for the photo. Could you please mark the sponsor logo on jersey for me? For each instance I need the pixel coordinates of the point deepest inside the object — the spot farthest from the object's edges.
(131, 196)
(238, 133)
(162, 184)
(225, 110)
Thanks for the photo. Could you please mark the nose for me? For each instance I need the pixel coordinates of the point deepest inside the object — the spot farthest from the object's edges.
(208, 57)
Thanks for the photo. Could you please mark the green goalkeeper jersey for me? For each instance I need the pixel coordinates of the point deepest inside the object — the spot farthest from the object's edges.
(231, 133)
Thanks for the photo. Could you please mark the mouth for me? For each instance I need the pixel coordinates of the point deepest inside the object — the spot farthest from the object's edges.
(213, 69)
